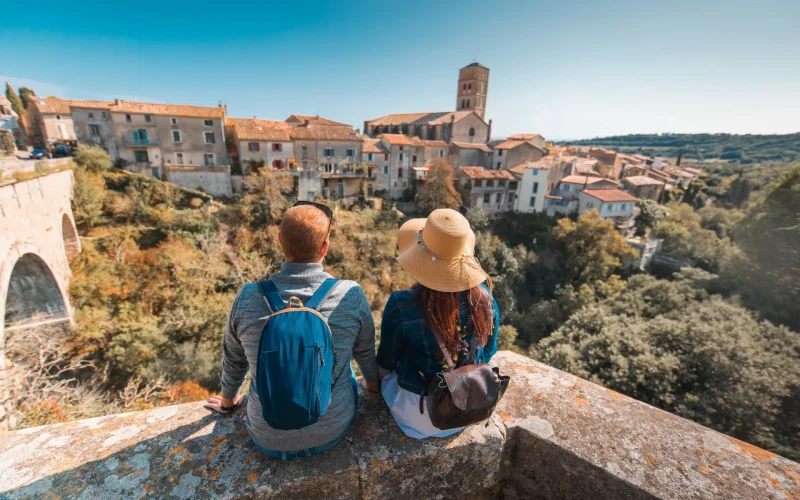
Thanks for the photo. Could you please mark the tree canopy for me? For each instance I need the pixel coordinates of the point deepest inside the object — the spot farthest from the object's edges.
(438, 190)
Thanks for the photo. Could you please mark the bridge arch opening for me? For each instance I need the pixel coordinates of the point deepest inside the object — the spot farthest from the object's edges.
(33, 294)
(72, 246)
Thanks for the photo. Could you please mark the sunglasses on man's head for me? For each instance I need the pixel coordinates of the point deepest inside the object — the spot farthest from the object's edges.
(325, 208)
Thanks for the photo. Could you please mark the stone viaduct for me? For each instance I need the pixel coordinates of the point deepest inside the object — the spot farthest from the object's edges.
(37, 239)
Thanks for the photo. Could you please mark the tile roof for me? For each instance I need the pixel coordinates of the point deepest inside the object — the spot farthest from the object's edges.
(184, 110)
(677, 171)
(313, 132)
(434, 118)
(482, 173)
(524, 137)
(581, 179)
(609, 195)
(372, 146)
(434, 144)
(252, 129)
(314, 120)
(544, 163)
(693, 170)
(51, 105)
(642, 180)
(470, 145)
(398, 139)
(513, 144)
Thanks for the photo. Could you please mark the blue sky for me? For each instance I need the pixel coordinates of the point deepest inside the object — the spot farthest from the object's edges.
(565, 69)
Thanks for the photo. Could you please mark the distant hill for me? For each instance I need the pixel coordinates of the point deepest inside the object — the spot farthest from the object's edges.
(741, 148)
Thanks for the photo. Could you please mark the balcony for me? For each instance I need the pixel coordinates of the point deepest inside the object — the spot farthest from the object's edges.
(138, 142)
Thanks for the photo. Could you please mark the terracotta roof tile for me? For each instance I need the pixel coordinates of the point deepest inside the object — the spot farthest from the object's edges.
(314, 120)
(372, 146)
(183, 110)
(581, 179)
(641, 180)
(469, 145)
(482, 173)
(524, 137)
(51, 105)
(324, 133)
(431, 118)
(609, 195)
(398, 139)
(252, 129)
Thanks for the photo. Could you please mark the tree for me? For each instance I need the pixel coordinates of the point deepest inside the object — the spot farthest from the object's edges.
(25, 96)
(650, 214)
(673, 345)
(507, 335)
(768, 275)
(88, 197)
(439, 190)
(93, 159)
(591, 248)
(16, 102)
(685, 238)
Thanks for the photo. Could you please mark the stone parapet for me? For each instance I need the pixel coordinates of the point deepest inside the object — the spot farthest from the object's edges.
(553, 436)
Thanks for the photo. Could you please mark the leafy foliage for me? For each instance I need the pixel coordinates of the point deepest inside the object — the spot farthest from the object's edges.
(16, 102)
(439, 190)
(25, 96)
(673, 345)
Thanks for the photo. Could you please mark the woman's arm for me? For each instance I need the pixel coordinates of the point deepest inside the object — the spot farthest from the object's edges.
(391, 333)
(491, 344)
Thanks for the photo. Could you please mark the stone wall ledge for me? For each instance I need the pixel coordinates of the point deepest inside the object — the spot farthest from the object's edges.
(553, 436)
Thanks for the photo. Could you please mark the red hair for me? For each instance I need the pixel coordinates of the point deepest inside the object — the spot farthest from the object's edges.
(440, 312)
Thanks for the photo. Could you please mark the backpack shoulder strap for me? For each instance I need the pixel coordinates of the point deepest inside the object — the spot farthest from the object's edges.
(322, 293)
(271, 295)
(447, 357)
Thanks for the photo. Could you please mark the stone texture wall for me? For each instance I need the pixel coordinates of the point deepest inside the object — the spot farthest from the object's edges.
(553, 436)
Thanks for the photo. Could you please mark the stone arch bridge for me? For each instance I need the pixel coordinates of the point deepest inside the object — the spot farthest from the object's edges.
(37, 239)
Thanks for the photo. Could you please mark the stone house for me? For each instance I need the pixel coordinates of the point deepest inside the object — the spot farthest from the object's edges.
(379, 161)
(612, 204)
(269, 141)
(404, 153)
(644, 187)
(512, 152)
(535, 139)
(536, 179)
(48, 120)
(563, 198)
(93, 125)
(488, 189)
(153, 135)
(447, 126)
(468, 154)
(323, 144)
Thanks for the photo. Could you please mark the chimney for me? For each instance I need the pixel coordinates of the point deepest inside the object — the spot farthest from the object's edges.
(306, 123)
(219, 104)
(117, 102)
(489, 132)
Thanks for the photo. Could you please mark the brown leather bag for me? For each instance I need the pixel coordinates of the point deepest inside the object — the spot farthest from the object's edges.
(457, 397)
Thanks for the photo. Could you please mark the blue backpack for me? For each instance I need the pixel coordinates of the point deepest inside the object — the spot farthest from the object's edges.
(294, 371)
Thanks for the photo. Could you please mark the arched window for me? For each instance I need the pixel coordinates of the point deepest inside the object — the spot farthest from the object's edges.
(467, 102)
(469, 86)
(463, 103)
(472, 132)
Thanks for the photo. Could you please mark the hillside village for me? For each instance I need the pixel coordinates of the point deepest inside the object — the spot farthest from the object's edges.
(204, 148)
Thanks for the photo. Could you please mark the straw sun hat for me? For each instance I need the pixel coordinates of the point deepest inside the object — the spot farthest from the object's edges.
(408, 232)
(442, 258)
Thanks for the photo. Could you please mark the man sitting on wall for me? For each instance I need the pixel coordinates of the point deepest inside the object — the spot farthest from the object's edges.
(302, 399)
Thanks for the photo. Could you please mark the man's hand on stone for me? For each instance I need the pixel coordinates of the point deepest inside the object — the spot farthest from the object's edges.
(373, 388)
(225, 406)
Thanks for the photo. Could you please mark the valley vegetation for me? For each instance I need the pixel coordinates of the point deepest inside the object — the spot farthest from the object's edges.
(716, 343)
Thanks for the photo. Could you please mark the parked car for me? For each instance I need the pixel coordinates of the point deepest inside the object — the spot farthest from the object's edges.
(62, 150)
(38, 154)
